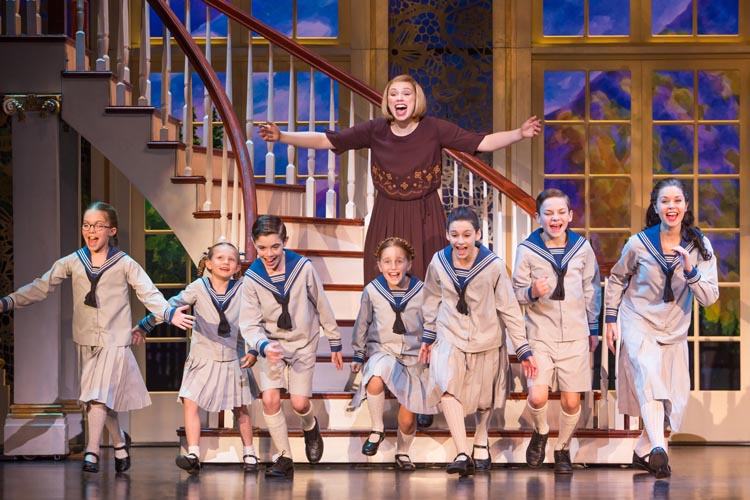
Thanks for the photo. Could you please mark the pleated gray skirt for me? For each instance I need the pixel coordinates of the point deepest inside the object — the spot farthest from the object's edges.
(110, 375)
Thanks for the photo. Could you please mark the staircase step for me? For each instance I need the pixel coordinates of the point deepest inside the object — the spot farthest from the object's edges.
(588, 446)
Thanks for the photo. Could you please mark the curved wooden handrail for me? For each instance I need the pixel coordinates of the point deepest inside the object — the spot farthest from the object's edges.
(223, 107)
(493, 177)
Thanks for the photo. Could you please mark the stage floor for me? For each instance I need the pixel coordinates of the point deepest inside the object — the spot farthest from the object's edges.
(698, 472)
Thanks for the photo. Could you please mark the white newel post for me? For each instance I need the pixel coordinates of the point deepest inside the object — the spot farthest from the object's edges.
(331, 192)
(310, 183)
(291, 171)
(270, 157)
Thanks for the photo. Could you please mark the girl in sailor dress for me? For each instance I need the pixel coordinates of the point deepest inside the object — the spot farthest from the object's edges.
(651, 290)
(468, 305)
(215, 376)
(102, 276)
(556, 279)
(283, 309)
(388, 331)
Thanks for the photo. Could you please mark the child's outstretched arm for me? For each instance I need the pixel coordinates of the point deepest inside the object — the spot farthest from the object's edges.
(145, 326)
(40, 288)
(151, 297)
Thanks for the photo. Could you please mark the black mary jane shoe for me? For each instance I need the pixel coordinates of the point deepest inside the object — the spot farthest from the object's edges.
(658, 463)
(404, 463)
(313, 444)
(563, 465)
(250, 466)
(282, 467)
(482, 464)
(640, 463)
(90, 466)
(189, 463)
(370, 448)
(123, 464)
(461, 467)
(536, 449)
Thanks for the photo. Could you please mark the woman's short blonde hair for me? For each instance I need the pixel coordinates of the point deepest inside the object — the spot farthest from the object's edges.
(420, 105)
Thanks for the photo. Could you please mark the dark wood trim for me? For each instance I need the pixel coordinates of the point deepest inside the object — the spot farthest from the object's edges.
(219, 97)
(281, 187)
(330, 253)
(188, 179)
(207, 214)
(165, 145)
(88, 75)
(322, 221)
(494, 178)
(332, 287)
(345, 322)
(56, 38)
(513, 396)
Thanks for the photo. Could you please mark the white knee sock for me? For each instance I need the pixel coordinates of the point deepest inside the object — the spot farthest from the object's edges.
(249, 450)
(115, 433)
(307, 419)
(643, 445)
(194, 450)
(454, 415)
(97, 417)
(404, 441)
(568, 424)
(539, 417)
(376, 404)
(279, 433)
(482, 419)
(652, 414)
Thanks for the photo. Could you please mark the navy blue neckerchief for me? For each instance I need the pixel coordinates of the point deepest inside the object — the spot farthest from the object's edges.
(398, 304)
(462, 277)
(651, 240)
(559, 263)
(84, 255)
(293, 264)
(221, 302)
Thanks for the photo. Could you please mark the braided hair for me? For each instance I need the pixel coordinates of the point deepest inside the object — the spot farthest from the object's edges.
(689, 231)
(210, 253)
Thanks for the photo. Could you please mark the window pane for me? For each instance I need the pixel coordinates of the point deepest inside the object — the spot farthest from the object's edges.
(610, 95)
(562, 17)
(673, 95)
(319, 18)
(607, 199)
(608, 247)
(563, 149)
(153, 219)
(576, 190)
(719, 149)
(197, 19)
(718, 95)
(165, 259)
(673, 149)
(609, 149)
(164, 364)
(722, 319)
(727, 249)
(720, 366)
(564, 97)
(609, 17)
(672, 17)
(718, 17)
(276, 13)
(719, 203)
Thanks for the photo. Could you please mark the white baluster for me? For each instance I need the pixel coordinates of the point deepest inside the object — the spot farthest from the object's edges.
(187, 108)
(227, 146)
(102, 36)
(350, 167)
(310, 183)
(270, 157)
(331, 193)
(145, 60)
(208, 123)
(249, 104)
(33, 19)
(501, 212)
(291, 171)
(471, 188)
(123, 53)
(455, 184)
(13, 16)
(370, 186)
(485, 217)
(80, 36)
(166, 76)
(235, 205)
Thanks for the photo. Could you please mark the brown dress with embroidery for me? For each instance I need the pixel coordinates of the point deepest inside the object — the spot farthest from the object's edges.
(406, 172)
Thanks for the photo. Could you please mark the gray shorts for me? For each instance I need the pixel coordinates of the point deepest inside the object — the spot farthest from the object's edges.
(564, 365)
(293, 373)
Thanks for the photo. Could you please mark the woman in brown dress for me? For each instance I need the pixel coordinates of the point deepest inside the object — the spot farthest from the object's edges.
(406, 166)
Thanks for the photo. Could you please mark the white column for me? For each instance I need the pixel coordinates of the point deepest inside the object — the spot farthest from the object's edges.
(33, 19)
(187, 108)
(291, 170)
(123, 53)
(310, 183)
(80, 37)
(208, 124)
(166, 75)
(102, 36)
(350, 168)
(270, 157)
(331, 193)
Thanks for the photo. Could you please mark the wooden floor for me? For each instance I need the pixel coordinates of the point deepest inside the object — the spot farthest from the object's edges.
(699, 472)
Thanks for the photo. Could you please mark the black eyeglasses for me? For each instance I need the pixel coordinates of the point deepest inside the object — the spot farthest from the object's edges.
(96, 227)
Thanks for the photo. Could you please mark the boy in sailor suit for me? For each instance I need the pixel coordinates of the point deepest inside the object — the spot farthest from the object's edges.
(102, 276)
(283, 308)
(556, 278)
(651, 288)
(468, 306)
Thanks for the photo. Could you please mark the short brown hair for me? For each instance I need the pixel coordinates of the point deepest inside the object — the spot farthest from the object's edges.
(420, 104)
